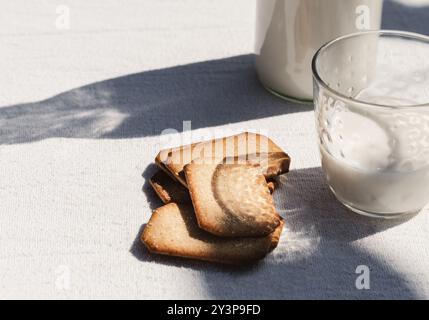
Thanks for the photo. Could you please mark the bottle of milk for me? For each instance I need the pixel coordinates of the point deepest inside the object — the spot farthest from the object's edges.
(289, 32)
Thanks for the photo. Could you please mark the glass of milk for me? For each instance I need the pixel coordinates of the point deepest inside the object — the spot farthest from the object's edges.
(289, 32)
(371, 96)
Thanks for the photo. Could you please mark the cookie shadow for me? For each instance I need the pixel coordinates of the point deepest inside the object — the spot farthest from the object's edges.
(152, 198)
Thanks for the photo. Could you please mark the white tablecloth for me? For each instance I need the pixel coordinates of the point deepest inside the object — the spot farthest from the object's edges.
(81, 110)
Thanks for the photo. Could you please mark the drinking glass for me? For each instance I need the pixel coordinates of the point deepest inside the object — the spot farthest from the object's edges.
(371, 97)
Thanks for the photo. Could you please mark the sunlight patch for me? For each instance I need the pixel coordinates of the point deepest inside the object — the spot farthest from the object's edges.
(107, 121)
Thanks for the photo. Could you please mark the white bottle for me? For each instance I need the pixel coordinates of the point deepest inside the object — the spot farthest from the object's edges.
(289, 32)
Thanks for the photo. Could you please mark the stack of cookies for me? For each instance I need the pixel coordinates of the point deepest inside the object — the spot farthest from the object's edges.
(218, 202)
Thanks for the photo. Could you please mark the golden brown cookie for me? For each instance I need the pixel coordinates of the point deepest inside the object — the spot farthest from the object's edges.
(259, 148)
(169, 190)
(173, 230)
(272, 185)
(275, 236)
(231, 200)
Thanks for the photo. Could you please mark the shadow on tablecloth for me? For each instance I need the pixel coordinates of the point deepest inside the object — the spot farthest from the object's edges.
(316, 258)
(399, 16)
(209, 93)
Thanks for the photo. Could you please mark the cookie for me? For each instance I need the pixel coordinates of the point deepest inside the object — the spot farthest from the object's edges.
(231, 200)
(275, 236)
(168, 189)
(261, 149)
(272, 185)
(173, 230)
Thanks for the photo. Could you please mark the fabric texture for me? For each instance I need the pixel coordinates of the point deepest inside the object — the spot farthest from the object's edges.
(82, 107)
